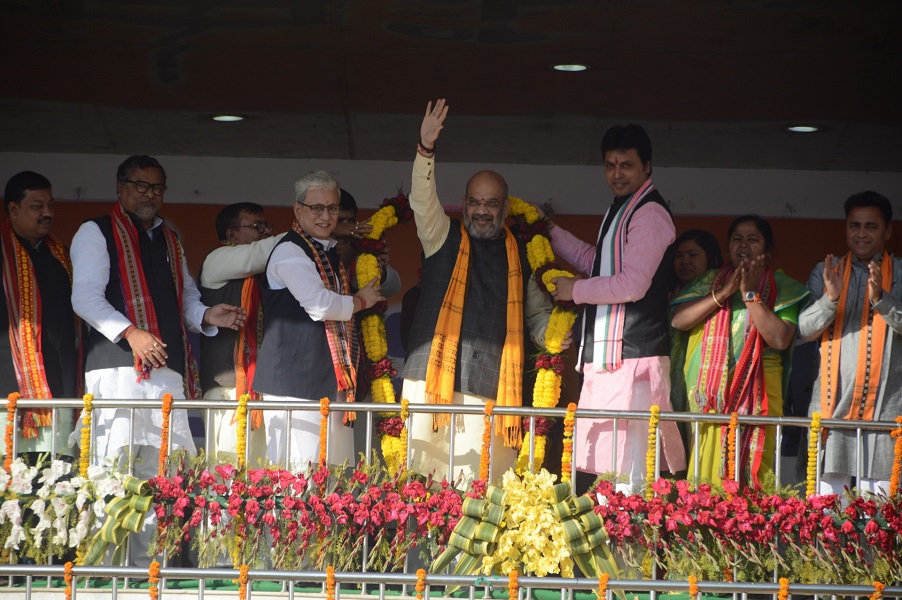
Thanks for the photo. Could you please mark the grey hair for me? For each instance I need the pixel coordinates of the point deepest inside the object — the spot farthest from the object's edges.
(314, 180)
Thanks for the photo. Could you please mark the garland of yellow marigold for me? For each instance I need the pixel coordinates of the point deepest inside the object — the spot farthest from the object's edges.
(547, 390)
(164, 433)
(421, 583)
(567, 454)
(693, 587)
(513, 585)
(731, 447)
(11, 401)
(241, 430)
(651, 452)
(897, 462)
(813, 435)
(67, 579)
(84, 458)
(242, 582)
(330, 583)
(878, 590)
(602, 592)
(153, 573)
(784, 589)
(323, 430)
(372, 325)
(485, 457)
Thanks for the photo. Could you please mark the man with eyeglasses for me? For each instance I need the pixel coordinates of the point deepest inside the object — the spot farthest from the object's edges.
(476, 301)
(132, 286)
(311, 348)
(228, 360)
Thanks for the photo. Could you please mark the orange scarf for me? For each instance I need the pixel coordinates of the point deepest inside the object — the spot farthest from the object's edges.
(23, 303)
(247, 346)
(871, 343)
(442, 365)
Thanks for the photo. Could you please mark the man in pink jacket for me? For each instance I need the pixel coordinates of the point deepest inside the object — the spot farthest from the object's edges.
(624, 355)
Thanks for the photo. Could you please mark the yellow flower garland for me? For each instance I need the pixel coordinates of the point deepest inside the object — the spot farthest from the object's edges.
(394, 449)
(813, 435)
(330, 583)
(693, 587)
(486, 455)
(897, 462)
(11, 402)
(323, 430)
(241, 431)
(153, 573)
(567, 454)
(84, 457)
(421, 583)
(602, 592)
(784, 589)
(731, 448)
(878, 590)
(164, 433)
(547, 389)
(651, 452)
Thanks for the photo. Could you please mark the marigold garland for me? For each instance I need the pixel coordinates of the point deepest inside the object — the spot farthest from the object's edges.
(897, 462)
(567, 454)
(513, 585)
(784, 589)
(602, 592)
(878, 590)
(693, 586)
(731, 447)
(241, 430)
(813, 435)
(84, 458)
(323, 430)
(421, 583)
(11, 401)
(330, 583)
(485, 456)
(67, 578)
(164, 433)
(242, 582)
(153, 573)
(547, 390)
(651, 453)
(394, 210)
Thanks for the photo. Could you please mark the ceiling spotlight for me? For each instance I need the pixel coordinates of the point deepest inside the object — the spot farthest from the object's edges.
(570, 68)
(802, 128)
(227, 118)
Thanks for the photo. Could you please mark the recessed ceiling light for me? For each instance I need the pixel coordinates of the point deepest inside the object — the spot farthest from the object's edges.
(802, 128)
(571, 68)
(227, 118)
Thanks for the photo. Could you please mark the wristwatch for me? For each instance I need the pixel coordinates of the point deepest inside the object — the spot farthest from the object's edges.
(751, 297)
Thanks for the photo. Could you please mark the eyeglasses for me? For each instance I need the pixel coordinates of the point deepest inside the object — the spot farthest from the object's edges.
(318, 209)
(260, 226)
(489, 204)
(142, 186)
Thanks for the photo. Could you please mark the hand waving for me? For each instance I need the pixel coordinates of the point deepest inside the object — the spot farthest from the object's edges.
(432, 122)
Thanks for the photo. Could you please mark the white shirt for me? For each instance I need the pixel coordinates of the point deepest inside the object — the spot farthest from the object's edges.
(227, 263)
(91, 274)
(290, 267)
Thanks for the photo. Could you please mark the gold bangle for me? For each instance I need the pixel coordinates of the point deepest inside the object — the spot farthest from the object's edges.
(720, 304)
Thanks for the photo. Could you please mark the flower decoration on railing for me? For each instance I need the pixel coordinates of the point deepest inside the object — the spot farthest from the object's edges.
(549, 365)
(708, 534)
(301, 521)
(393, 210)
(897, 462)
(814, 434)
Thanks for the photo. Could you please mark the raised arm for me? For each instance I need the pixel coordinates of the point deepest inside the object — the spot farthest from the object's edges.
(432, 222)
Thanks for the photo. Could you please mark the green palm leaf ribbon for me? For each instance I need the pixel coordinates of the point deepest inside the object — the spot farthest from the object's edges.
(475, 534)
(124, 515)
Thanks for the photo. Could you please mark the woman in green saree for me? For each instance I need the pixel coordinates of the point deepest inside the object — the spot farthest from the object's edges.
(741, 320)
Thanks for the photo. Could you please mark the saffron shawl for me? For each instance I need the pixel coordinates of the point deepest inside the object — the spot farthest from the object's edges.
(23, 303)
